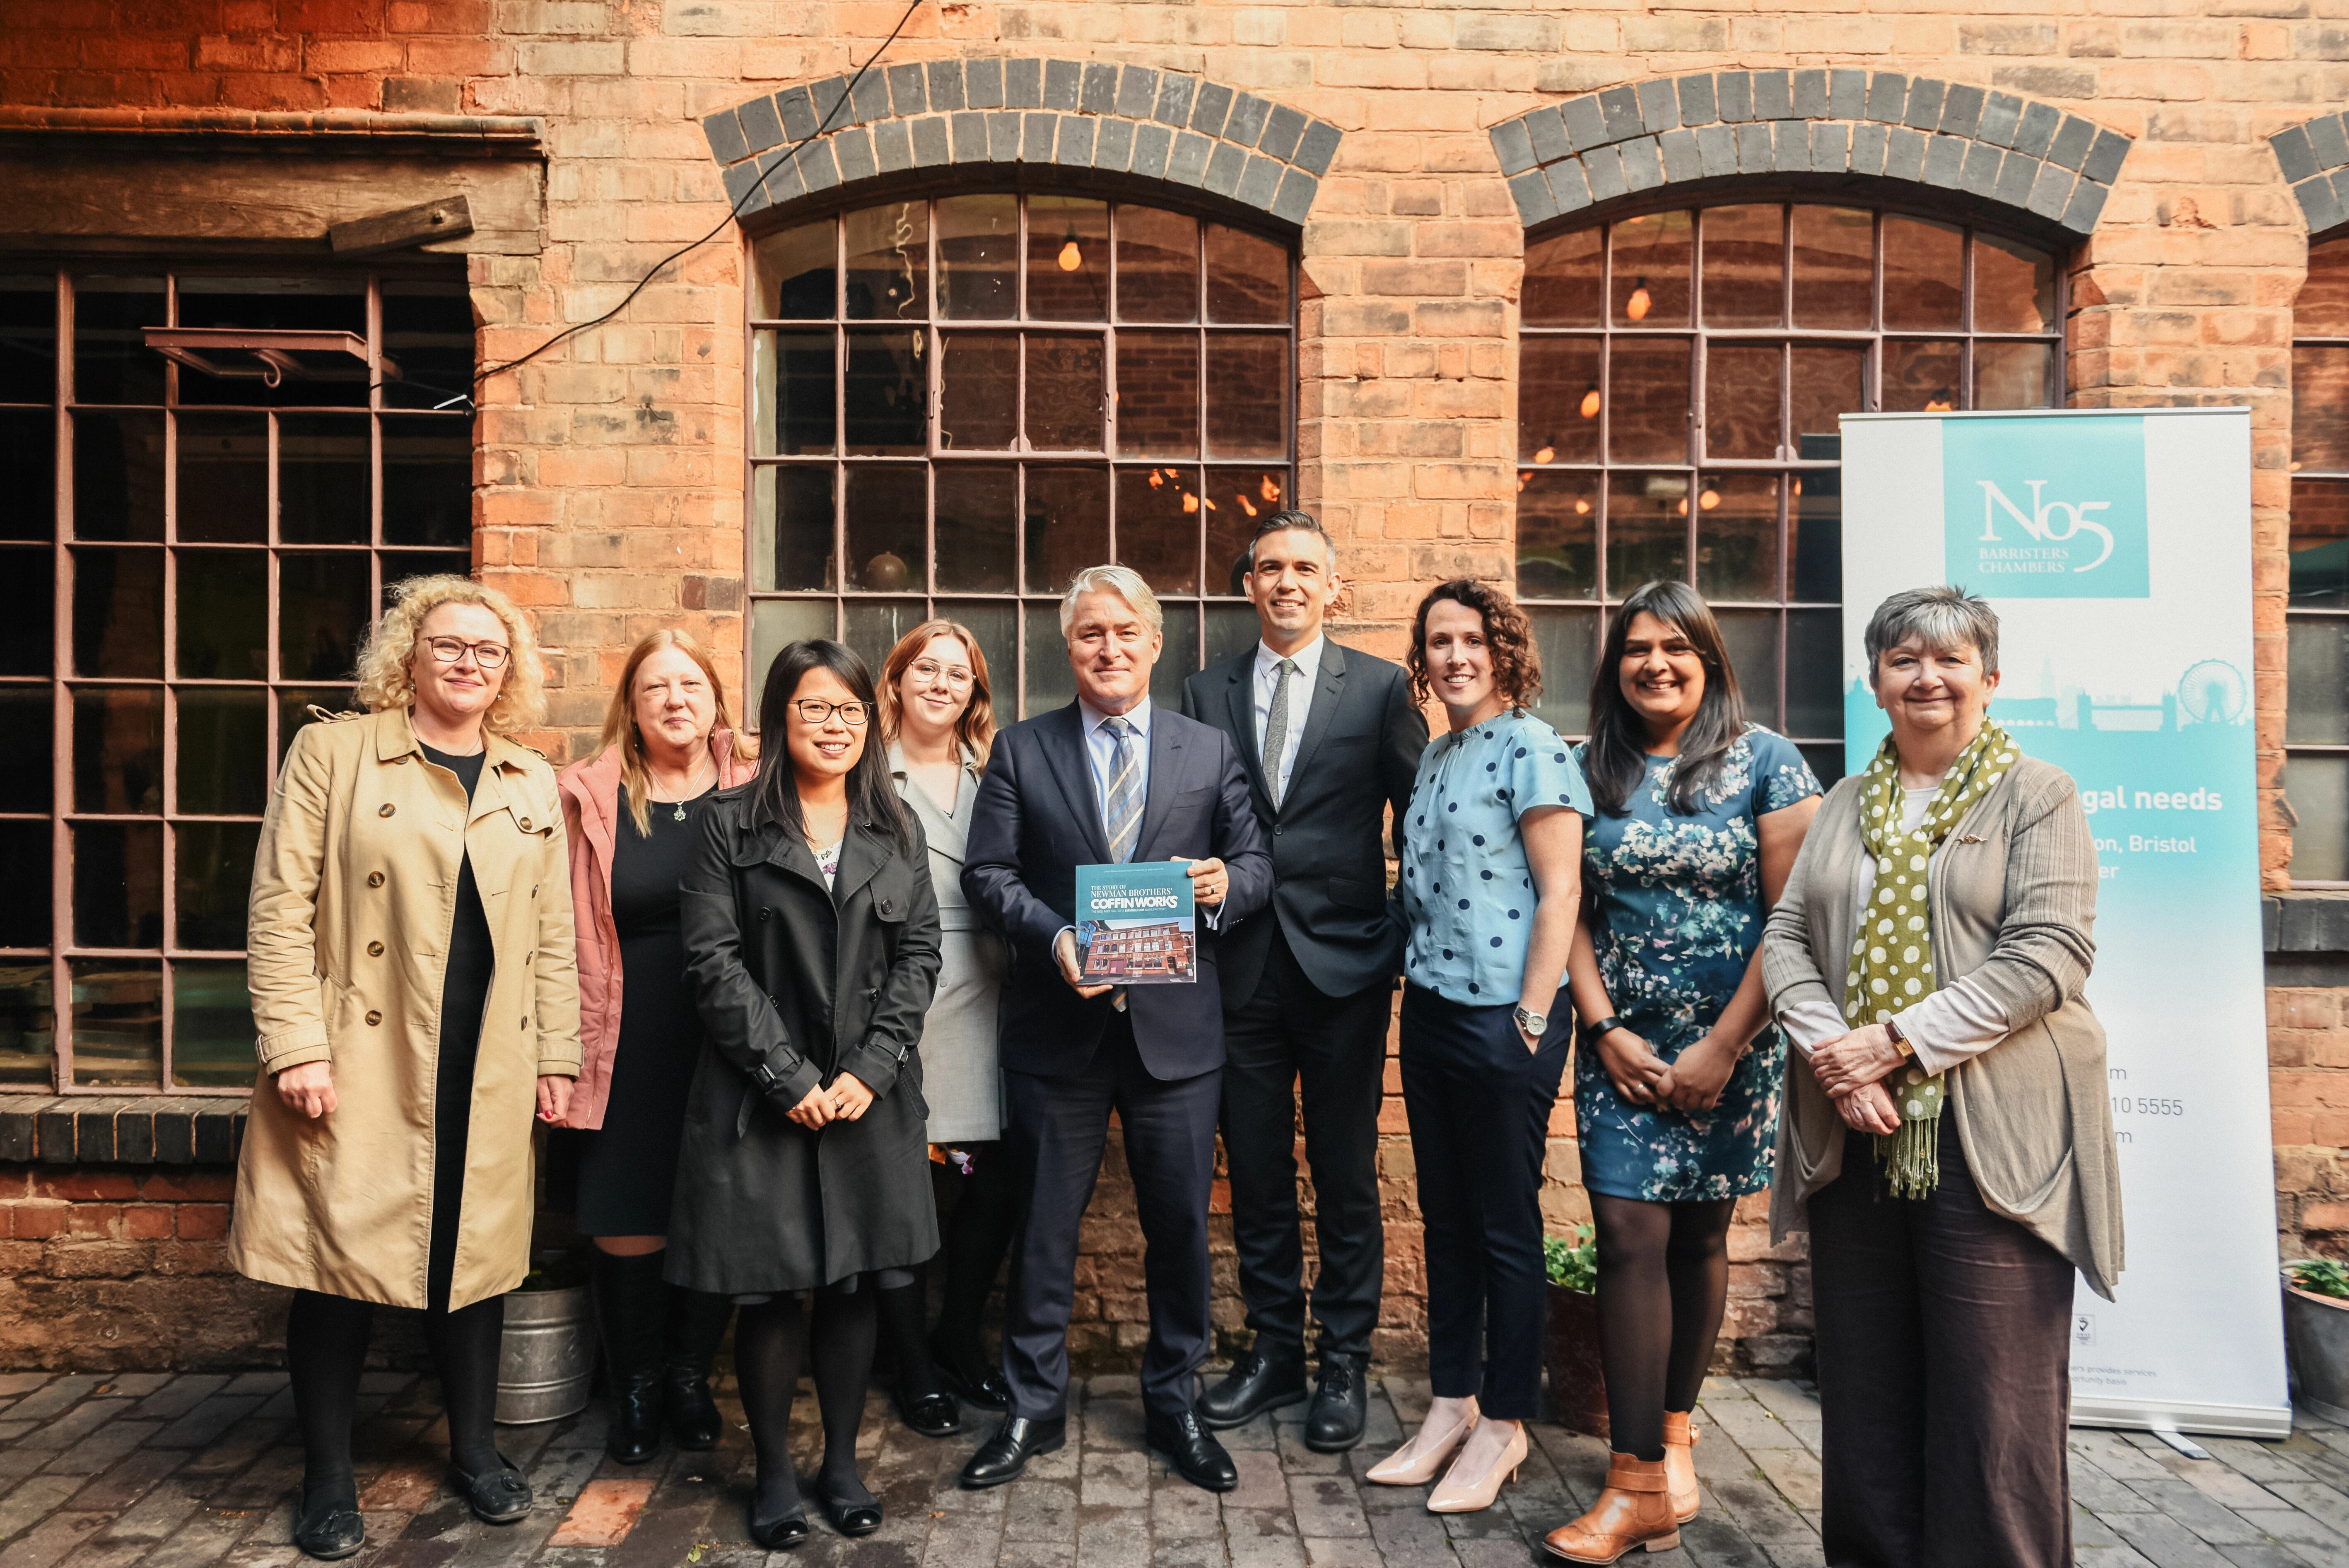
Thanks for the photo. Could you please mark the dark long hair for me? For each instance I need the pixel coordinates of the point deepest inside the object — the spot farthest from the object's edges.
(1617, 758)
(775, 793)
(1516, 661)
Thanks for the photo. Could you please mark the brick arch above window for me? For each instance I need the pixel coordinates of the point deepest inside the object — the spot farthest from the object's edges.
(1641, 138)
(2314, 157)
(940, 115)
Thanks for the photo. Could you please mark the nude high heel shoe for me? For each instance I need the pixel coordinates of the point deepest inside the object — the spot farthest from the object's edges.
(1460, 1494)
(1635, 1510)
(1680, 1464)
(1397, 1470)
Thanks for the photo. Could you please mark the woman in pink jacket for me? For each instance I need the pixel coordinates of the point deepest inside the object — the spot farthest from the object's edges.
(630, 809)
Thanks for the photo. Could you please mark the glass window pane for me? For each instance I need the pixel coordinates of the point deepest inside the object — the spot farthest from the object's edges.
(1826, 761)
(1067, 259)
(1741, 400)
(427, 484)
(1158, 394)
(791, 510)
(889, 262)
(887, 393)
(792, 407)
(1248, 277)
(1557, 399)
(118, 613)
(2013, 375)
(1563, 283)
(2014, 287)
(1737, 536)
(1066, 525)
(1247, 395)
(1047, 681)
(1751, 639)
(119, 749)
(224, 752)
(795, 269)
(28, 1019)
(1241, 496)
(2318, 788)
(1814, 675)
(978, 396)
(213, 873)
(1815, 523)
(1647, 530)
(118, 1023)
(996, 625)
(1179, 656)
(979, 260)
(1745, 265)
(1647, 400)
(1919, 378)
(28, 339)
(1651, 270)
(775, 625)
(26, 720)
(1064, 393)
(977, 527)
(887, 516)
(221, 486)
(112, 363)
(223, 619)
(2320, 544)
(28, 611)
(2320, 408)
(2317, 709)
(1824, 382)
(1557, 535)
(323, 489)
(118, 467)
(2322, 309)
(26, 864)
(1924, 266)
(1158, 516)
(294, 705)
(323, 608)
(1568, 641)
(874, 626)
(1157, 265)
(211, 1024)
(313, 304)
(119, 883)
(1834, 258)
(399, 565)
(1231, 629)
(428, 332)
(29, 472)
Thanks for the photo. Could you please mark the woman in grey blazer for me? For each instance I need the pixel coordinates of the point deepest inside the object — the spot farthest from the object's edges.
(937, 714)
(1950, 1148)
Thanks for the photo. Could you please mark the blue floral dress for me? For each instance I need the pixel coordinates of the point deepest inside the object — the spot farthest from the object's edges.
(1679, 902)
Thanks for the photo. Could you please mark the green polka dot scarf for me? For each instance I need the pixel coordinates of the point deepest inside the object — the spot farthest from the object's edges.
(1892, 951)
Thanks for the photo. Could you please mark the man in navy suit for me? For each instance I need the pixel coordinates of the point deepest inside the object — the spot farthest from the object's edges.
(1109, 778)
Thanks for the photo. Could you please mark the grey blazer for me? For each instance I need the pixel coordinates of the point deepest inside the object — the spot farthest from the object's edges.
(2013, 890)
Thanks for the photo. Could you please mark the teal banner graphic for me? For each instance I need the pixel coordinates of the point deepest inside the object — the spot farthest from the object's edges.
(2046, 507)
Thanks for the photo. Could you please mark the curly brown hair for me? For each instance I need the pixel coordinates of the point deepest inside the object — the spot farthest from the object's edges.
(1516, 662)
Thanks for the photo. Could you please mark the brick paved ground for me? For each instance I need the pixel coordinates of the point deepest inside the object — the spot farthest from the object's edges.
(166, 1471)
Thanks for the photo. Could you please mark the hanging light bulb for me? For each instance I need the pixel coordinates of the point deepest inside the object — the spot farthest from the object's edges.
(1939, 404)
(1710, 498)
(1157, 480)
(1207, 503)
(1798, 487)
(1590, 404)
(1683, 507)
(1545, 454)
(1246, 505)
(1636, 307)
(1072, 258)
(1190, 501)
(1582, 509)
(1267, 489)
(1524, 477)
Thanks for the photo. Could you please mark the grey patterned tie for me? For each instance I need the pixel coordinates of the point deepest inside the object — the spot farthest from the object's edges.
(1276, 730)
(1123, 809)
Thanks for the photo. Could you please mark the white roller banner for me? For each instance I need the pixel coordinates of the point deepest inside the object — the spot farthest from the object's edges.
(2117, 547)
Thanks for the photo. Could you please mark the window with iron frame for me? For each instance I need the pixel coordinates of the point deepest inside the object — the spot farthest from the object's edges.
(2316, 621)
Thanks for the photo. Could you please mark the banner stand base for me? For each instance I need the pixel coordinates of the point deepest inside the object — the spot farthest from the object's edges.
(2180, 1415)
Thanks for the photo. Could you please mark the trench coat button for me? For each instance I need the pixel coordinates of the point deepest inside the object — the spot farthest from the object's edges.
(375, 878)
(886, 905)
(374, 1018)
(525, 824)
(388, 809)
(374, 950)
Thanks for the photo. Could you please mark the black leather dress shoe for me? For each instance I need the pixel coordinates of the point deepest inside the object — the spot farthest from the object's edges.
(499, 1495)
(1266, 1378)
(1341, 1405)
(329, 1525)
(932, 1414)
(1192, 1449)
(1005, 1455)
(972, 1379)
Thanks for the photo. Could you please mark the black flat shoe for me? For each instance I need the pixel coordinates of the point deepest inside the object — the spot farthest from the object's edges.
(328, 1525)
(975, 1382)
(1192, 1449)
(499, 1495)
(1341, 1405)
(1003, 1457)
(932, 1414)
(1268, 1377)
(779, 1520)
(853, 1516)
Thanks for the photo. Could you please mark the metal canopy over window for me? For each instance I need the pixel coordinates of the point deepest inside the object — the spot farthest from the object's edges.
(1680, 377)
(187, 563)
(956, 402)
(2316, 713)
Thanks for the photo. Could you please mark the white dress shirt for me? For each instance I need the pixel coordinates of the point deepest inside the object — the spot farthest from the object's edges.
(1300, 703)
(1101, 748)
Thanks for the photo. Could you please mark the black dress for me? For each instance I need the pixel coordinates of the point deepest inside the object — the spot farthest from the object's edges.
(628, 1169)
(464, 998)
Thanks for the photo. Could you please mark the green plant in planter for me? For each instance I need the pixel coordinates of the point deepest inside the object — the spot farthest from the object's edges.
(2317, 1276)
(1573, 1264)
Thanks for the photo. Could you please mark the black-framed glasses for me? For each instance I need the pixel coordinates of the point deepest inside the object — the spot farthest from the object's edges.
(813, 712)
(449, 650)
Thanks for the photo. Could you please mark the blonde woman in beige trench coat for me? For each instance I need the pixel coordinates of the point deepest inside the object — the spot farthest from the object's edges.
(415, 1002)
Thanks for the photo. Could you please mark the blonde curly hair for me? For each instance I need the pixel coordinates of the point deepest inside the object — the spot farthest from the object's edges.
(390, 647)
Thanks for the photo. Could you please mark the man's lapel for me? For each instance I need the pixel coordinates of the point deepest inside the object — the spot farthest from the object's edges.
(1063, 738)
(1324, 710)
(1242, 702)
(1166, 782)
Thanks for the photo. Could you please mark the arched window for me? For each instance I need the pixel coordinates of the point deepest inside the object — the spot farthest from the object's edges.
(957, 401)
(2316, 713)
(1681, 374)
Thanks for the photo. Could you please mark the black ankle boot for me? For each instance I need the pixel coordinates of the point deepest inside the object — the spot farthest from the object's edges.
(697, 1322)
(630, 1302)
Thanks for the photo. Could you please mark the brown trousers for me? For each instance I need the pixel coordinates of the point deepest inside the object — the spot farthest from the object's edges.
(1945, 1387)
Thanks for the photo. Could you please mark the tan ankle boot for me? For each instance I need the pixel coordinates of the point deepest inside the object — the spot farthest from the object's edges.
(1635, 1510)
(1680, 1464)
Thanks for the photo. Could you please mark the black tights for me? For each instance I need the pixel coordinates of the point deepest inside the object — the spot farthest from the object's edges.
(768, 1338)
(978, 1235)
(325, 1352)
(1663, 1283)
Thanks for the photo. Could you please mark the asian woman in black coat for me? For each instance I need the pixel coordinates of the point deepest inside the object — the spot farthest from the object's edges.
(812, 937)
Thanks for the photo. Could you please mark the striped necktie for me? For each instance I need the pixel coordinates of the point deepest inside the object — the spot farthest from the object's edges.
(1122, 807)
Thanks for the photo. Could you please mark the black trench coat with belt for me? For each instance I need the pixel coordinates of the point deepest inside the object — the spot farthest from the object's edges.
(797, 984)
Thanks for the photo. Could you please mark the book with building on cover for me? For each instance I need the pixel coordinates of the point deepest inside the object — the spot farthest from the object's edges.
(1135, 924)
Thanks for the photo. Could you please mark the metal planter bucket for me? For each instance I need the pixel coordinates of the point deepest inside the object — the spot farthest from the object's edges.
(2316, 1328)
(548, 1357)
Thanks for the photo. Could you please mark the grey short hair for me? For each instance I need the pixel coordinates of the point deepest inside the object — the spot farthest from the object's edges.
(1125, 582)
(1936, 618)
(1297, 523)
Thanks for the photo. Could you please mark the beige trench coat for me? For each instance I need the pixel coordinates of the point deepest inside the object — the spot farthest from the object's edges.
(353, 898)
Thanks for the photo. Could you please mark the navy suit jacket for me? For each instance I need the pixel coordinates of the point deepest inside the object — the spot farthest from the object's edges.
(1037, 820)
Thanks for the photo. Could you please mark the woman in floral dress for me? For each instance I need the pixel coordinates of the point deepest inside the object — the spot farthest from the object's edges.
(1677, 1076)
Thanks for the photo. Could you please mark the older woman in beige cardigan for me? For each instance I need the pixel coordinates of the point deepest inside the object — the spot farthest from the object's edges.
(1950, 1147)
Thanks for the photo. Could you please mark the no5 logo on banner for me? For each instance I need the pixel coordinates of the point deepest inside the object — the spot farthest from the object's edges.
(2045, 509)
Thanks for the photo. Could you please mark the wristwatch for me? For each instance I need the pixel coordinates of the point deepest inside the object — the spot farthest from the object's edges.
(1599, 1028)
(1532, 1024)
(1899, 1041)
